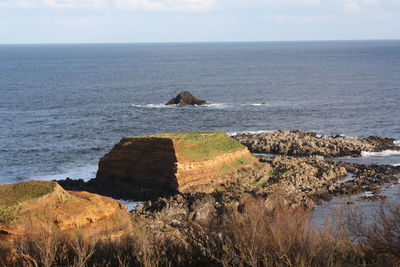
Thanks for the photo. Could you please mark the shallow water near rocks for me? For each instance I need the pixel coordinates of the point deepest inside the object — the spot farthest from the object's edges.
(339, 205)
(388, 157)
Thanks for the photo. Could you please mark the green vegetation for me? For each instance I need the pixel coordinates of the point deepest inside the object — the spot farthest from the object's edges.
(274, 178)
(234, 165)
(7, 214)
(195, 146)
(12, 194)
(201, 146)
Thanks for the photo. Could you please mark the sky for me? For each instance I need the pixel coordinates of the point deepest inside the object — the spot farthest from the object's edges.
(115, 21)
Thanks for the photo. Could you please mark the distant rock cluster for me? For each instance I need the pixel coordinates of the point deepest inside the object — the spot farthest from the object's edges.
(299, 143)
(186, 99)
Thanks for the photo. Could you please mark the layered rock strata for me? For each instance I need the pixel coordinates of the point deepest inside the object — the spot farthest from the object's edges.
(45, 206)
(299, 143)
(147, 167)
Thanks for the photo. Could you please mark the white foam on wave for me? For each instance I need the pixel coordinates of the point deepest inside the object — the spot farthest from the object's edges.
(211, 105)
(226, 105)
(368, 194)
(130, 204)
(249, 132)
(160, 105)
(384, 153)
(396, 142)
(84, 172)
(217, 105)
(257, 104)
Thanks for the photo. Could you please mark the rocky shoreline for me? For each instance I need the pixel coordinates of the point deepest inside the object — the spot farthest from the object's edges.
(300, 178)
(303, 179)
(299, 143)
(297, 182)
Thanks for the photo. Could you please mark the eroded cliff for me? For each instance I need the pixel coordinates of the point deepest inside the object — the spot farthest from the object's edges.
(162, 164)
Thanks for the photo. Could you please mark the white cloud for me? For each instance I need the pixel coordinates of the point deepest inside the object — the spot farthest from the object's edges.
(351, 6)
(159, 5)
(279, 3)
(294, 19)
(371, 2)
(167, 5)
(75, 3)
(18, 3)
(74, 21)
(306, 2)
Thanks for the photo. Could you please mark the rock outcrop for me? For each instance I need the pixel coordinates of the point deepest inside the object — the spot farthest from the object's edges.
(45, 205)
(299, 143)
(297, 182)
(294, 180)
(186, 99)
(140, 168)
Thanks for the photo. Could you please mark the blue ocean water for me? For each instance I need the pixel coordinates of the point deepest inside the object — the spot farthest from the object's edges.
(64, 106)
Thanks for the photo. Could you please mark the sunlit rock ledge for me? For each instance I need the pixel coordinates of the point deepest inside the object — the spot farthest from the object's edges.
(146, 167)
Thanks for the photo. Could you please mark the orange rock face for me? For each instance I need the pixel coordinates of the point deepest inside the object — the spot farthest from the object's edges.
(172, 162)
(204, 176)
(45, 205)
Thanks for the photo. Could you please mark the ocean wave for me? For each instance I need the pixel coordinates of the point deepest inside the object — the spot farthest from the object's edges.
(368, 194)
(214, 105)
(218, 105)
(256, 104)
(384, 153)
(153, 106)
(249, 132)
(84, 172)
(396, 142)
(226, 105)
(211, 105)
(326, 136)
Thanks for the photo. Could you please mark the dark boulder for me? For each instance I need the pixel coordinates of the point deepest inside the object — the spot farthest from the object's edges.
(186, 99)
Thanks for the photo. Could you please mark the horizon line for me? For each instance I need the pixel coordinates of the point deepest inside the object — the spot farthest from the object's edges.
(200, 42)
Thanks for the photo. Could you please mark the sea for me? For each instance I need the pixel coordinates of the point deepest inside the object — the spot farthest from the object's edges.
(63, 106)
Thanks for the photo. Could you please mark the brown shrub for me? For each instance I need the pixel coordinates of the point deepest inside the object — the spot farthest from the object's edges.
(379, 235)
(257, 236)
(47, 246)
(248, 235)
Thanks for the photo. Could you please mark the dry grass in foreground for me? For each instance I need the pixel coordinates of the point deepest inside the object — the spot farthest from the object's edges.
(250, 235)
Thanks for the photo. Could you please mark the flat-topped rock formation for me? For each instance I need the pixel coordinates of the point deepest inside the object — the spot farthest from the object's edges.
(299, 143)
(186, 99)
(45, 205)
(164, 164)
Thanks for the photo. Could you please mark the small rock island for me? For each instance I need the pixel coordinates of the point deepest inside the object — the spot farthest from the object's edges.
(186, 99)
